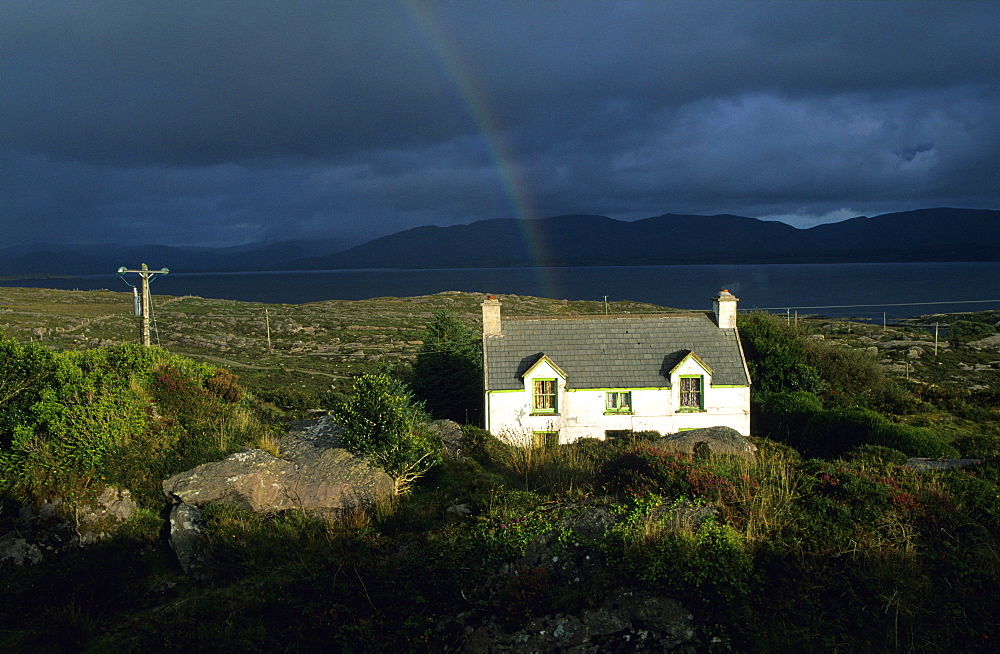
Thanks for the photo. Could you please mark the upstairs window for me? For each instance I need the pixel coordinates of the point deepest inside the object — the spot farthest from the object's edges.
(544, 396)
(618, 402)
(692, 395)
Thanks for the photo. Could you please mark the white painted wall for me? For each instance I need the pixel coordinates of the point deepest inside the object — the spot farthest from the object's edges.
(582, 412)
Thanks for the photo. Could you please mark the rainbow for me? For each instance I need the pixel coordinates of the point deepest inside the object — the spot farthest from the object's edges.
(418, 20)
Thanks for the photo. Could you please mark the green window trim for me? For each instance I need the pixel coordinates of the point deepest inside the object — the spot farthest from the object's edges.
(544, 439)
(618, 403)
(619, 389)
(544, 396)
(691, 396)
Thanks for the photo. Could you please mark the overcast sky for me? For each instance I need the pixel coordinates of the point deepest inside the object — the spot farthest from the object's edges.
(223, 123)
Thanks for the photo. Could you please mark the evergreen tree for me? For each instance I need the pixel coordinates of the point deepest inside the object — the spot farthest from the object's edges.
(448, 371)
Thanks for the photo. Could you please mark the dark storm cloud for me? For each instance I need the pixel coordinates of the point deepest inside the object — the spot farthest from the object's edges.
(228, 122)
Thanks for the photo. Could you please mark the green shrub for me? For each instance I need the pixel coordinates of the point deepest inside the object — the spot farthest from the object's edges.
(964, 331)
(74, 422)
(383, 423)
(775, 356)
(855, 377)
(783, 416)
(835, 431)
(978, 446)
(708, 565)
(912, 441)
(878, 455)
(644, 470)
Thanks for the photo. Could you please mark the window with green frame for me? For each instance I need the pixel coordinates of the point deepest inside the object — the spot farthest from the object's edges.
(618, 402)
(544, 396)
(692, 393)
(545, 439)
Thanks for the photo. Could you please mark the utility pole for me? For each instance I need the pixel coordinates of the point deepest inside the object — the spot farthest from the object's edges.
(145, 274)
(267, 323)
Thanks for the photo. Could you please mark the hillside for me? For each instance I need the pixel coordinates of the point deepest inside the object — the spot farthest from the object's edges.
(940, 234)
(613, 545)
(925, 235)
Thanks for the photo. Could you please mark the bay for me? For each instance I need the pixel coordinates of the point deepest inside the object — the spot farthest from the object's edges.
(863, 290)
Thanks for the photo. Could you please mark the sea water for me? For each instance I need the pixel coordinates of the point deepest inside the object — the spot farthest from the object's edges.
(864, 290)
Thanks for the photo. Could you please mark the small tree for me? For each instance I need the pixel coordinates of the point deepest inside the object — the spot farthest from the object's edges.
(776, 358)
(448, 370)
(383, 423)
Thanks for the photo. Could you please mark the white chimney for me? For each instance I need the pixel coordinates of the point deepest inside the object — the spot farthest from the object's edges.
(724, 306)
(491, 316)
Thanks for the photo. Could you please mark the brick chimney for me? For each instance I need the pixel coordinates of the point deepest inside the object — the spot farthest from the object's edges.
(491, 316)
(724, 306)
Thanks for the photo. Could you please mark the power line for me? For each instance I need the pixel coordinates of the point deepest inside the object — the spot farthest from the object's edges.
(882, 304)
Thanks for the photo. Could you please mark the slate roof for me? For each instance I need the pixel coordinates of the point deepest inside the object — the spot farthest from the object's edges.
(619, 351)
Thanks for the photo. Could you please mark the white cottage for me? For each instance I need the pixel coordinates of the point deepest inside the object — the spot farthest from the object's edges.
(554, 380)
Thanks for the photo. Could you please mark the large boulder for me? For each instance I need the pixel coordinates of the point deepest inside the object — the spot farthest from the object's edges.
(717, 440)
(312, 474)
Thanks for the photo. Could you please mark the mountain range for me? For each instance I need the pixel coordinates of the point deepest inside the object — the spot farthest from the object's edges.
(942, 234)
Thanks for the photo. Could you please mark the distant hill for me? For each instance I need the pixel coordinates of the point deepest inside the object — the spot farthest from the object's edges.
(583, 240)
(941, 234)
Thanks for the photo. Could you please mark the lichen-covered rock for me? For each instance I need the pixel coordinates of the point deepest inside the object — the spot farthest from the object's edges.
(111, 508)
(313, 473)
(450, 434)
(18, 550)
(187, 540)
(53, 526)
(718, 440)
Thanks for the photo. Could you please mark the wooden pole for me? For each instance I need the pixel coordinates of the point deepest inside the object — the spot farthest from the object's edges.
(267, 322)
(145, 274)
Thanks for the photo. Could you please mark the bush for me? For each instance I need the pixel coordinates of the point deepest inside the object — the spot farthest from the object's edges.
(878, 455)
(912, 441)
(783, 416)
(855, 377)
(707, 565)
(964, 331)
(644, 470)
(979, 446)
(72, 423)
(835, 431)
(383, 423)
(775, 356)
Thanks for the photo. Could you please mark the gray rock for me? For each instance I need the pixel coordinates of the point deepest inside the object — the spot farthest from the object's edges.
(187, 540)
(451, 437)
(940, 464)
(111, 508)
(313, 474)
(718, 440)
(628, 620)
(55, 525)
(18, 550)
